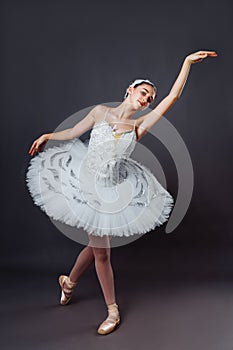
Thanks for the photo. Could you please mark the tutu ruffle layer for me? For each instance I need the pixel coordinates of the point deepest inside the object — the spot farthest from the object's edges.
(122, 199)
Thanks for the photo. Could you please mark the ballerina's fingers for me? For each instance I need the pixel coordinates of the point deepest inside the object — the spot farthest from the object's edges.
(212, 54)
(34, 148)
(209, 53)
(205, 52)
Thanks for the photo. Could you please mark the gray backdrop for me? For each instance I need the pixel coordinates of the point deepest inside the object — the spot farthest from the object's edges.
(61, 56)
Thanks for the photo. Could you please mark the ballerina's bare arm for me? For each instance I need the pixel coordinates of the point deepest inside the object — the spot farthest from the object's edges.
(68, 134)
(152, 117)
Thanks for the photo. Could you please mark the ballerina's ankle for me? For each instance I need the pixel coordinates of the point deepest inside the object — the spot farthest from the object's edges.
(112, 321)
(69, 283)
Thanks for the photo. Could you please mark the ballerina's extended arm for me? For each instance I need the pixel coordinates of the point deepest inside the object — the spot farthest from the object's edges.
(152, 117)
(68, 134)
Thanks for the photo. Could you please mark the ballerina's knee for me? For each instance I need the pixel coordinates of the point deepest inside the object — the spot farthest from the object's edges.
(102, 255)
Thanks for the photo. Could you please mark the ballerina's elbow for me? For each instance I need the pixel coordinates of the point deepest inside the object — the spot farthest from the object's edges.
(71, 134)
(174, 97)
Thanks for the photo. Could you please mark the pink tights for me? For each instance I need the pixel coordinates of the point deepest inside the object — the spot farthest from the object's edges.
(101, 257)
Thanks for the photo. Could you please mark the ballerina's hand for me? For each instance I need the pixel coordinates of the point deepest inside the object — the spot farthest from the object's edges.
(37, 145)
(200, 55)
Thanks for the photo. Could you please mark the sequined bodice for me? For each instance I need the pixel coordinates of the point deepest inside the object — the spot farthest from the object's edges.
(107, 154)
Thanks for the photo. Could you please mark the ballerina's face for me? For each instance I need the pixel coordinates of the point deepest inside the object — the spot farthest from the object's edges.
(141, 96)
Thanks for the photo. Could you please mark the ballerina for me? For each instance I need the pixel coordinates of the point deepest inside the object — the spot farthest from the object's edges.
(66, 181)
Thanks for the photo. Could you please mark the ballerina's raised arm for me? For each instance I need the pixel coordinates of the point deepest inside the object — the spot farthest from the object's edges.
(148, 120)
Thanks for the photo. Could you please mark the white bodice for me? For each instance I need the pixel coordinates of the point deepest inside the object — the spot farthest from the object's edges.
(107, 155)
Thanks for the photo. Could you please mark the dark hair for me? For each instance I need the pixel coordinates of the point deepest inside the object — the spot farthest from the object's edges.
(143, 82)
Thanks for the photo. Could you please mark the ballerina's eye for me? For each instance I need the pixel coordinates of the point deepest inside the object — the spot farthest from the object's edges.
(150, 99)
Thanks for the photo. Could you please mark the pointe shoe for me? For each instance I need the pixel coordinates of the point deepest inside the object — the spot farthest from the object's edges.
(67, 287)
(111, 322)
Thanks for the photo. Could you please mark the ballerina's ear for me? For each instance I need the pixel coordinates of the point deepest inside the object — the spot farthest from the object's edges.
(130, 89)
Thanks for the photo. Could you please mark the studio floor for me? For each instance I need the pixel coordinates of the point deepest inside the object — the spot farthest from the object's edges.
(165, 306)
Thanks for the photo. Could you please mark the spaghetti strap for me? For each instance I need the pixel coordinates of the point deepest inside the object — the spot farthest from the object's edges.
(105, 114)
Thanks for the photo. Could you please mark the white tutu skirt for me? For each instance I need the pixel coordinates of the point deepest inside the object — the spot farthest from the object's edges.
(122, 199)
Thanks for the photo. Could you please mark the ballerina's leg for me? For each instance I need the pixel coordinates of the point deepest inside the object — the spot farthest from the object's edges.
(68, 283)
(83, 262)
(102, 255)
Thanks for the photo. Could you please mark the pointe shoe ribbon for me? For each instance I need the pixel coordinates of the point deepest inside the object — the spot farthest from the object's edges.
(112, 321)
(67, 287)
